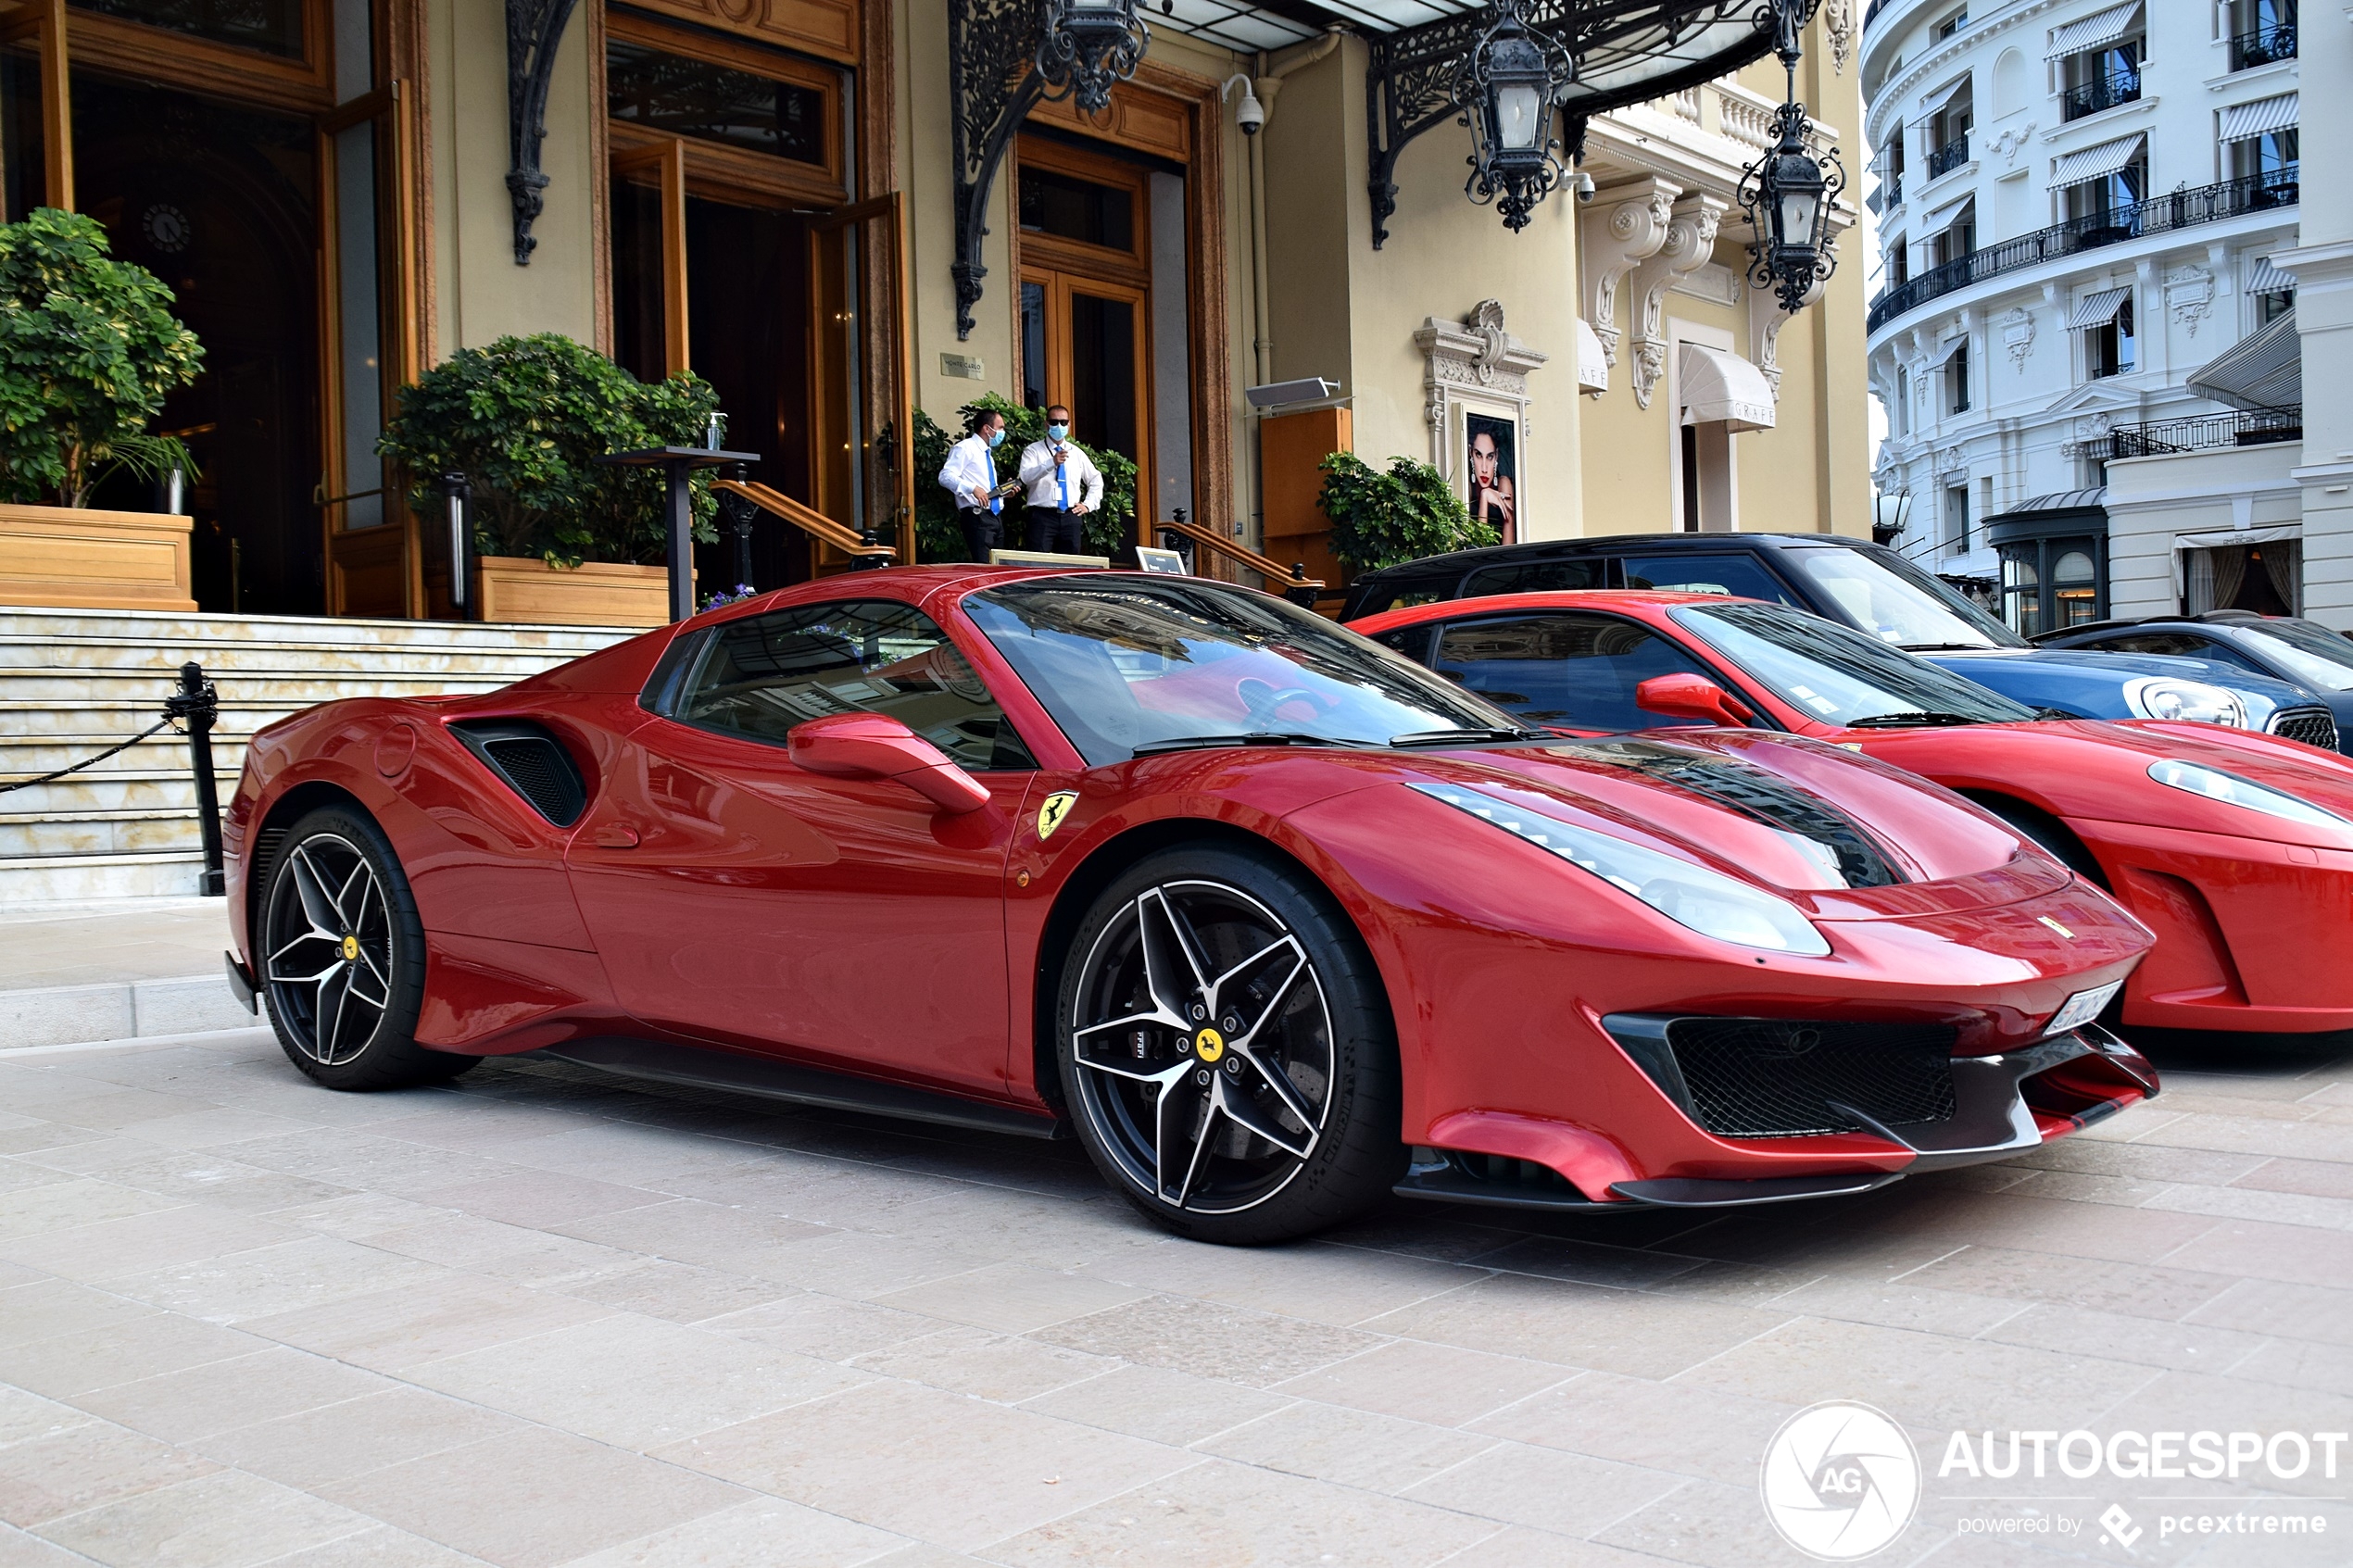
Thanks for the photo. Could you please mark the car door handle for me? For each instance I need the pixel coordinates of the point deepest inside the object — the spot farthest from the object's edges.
(616, 835)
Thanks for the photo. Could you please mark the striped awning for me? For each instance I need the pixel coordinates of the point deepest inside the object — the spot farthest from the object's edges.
(2243, 122)
(1933, 103)
(1942, 218)
(2264, 371)
(2097, 309)
(2268, 278)
(2095, 31)
(2096, 163)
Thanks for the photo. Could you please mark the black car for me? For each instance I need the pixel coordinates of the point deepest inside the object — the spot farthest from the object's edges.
(1872, 589)
(2288, 647)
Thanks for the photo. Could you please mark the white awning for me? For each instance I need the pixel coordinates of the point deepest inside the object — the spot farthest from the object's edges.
(2098, 310)
(2263, 370)
(1944, 351)
(1721, 386)
(1942, 218)
(1592, 360)
(2268, 278)
(2098, 162)
(1933, 103)
(2095, 31)
(2244, 122)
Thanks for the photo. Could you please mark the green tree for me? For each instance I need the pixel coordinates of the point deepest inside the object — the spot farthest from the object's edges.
(89, 349)
(1385, 519)
(524, 419)
(1109, 529)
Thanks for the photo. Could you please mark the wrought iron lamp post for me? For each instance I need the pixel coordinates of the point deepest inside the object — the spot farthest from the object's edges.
(1087, 47)
(1788, 192)
(1505, 87)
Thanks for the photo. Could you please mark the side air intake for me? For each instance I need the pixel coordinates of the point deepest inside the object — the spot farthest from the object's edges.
(532, 762)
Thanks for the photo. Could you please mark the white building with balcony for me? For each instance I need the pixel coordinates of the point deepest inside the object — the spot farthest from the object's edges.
(2083, 207)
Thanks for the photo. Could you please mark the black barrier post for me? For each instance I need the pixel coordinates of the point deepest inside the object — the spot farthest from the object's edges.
(198, 705)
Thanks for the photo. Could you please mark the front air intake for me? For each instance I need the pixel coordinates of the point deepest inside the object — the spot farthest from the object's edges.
(1786, 1078)
(530, 760)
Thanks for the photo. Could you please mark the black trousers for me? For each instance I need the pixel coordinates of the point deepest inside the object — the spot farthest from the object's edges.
(984, 532)
(1060, 532)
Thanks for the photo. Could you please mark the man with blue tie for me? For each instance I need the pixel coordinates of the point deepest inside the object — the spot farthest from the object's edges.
(1064, 486)
(970, 475)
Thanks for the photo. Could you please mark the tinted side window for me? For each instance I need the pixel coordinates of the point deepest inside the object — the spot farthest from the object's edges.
(1538, 577)
(1411, 641)
(1577, 671)
(1736, 572)
(760, 676)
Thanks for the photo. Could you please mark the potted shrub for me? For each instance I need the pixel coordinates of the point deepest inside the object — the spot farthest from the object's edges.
(1110, 528)
(89, 349)
(1386, 519)
(559, 537)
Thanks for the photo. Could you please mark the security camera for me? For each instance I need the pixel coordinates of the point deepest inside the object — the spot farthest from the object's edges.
(1582, 183)
(1249, 114)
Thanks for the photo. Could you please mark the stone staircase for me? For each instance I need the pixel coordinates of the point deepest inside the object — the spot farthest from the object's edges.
(74, 682)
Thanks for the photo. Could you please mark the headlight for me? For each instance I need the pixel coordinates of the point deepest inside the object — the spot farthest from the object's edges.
(2231, 790)
(1709, 902)
(2192, 702)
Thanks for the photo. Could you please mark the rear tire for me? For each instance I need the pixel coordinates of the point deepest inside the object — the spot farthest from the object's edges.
(1227, 1049)
(341, 958)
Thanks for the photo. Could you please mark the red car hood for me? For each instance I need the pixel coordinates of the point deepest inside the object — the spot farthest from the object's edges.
(1770, 809)
(2098, 771)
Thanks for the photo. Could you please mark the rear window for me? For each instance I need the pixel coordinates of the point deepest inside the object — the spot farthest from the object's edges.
(1734, 573)
(1538, 577)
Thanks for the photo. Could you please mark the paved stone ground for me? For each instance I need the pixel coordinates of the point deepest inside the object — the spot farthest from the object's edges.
(543, 1318)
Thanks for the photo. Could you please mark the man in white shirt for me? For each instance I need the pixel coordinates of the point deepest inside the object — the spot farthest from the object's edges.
(1064, 486)
(970, 475)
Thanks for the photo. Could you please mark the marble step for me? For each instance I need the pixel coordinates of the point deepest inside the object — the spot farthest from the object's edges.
(61, 1015)
(79, 878)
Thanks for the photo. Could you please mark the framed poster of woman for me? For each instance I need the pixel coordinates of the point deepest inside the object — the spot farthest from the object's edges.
(1491, 470)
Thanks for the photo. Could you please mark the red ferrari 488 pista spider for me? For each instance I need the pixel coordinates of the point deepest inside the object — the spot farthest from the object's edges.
(1275, 920)
(2235, 847)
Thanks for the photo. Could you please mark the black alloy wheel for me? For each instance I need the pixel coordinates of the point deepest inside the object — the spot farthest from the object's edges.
(341, 956)
(1228, 1051)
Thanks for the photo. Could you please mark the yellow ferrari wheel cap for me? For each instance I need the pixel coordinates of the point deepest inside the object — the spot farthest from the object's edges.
(1050, 815)
(1209, 1045)
(350, 948)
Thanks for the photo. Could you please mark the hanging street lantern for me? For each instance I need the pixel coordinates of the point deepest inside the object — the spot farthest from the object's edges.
(1087, 47)
(1788, 192)
(1507, 88)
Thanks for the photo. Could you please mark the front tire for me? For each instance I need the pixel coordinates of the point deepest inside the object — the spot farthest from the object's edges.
(1226, 1049)
(342, 954)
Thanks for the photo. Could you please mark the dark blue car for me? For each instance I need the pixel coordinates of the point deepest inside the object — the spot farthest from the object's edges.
(1875, 590)
(2286, 646)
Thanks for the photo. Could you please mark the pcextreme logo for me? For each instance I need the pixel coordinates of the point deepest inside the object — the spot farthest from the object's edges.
(1840, 1481)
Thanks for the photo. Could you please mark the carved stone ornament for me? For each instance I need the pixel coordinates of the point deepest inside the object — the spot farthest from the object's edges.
(2189, 294)
(2010, 143)
(1473, 360)
(1766, 320)
(2018, 335)
(1691, 243)
(1837, 22)
(1624, 227)
(2091, 426)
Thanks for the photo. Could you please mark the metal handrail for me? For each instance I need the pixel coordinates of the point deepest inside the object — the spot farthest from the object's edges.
(814, 523)
(2101, 92)
(2153, 215)
(2263, 46)
(1289, 580)
(2252, 427)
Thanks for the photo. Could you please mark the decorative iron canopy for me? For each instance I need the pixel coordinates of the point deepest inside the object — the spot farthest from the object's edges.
(1625, 52)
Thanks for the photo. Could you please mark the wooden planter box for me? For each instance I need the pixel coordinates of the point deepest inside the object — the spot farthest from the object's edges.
(71, 558)
(527, 591)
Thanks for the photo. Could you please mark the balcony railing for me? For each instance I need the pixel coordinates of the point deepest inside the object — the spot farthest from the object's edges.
(1887, 196)
(2263, 46)
(2255, 427)
(1949, 156)
(2106, 92)
(2159, 214)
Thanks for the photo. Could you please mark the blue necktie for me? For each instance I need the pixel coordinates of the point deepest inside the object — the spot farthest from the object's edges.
(1061, 484)
(996, 502)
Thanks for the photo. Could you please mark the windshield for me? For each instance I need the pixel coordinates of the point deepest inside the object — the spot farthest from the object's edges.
(1835, 674)
(1897, 602)
(1124, 663)
(2317, 655)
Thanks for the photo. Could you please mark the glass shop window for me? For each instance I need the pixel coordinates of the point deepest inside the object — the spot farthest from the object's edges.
(714, 102)
(1071, 208)
(273, 27)
(760, 676)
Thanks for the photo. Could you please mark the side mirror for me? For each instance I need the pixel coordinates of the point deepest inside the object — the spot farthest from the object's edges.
(1688, 696)
(872, 745)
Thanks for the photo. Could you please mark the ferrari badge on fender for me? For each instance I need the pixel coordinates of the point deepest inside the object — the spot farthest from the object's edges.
(1050, 815)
